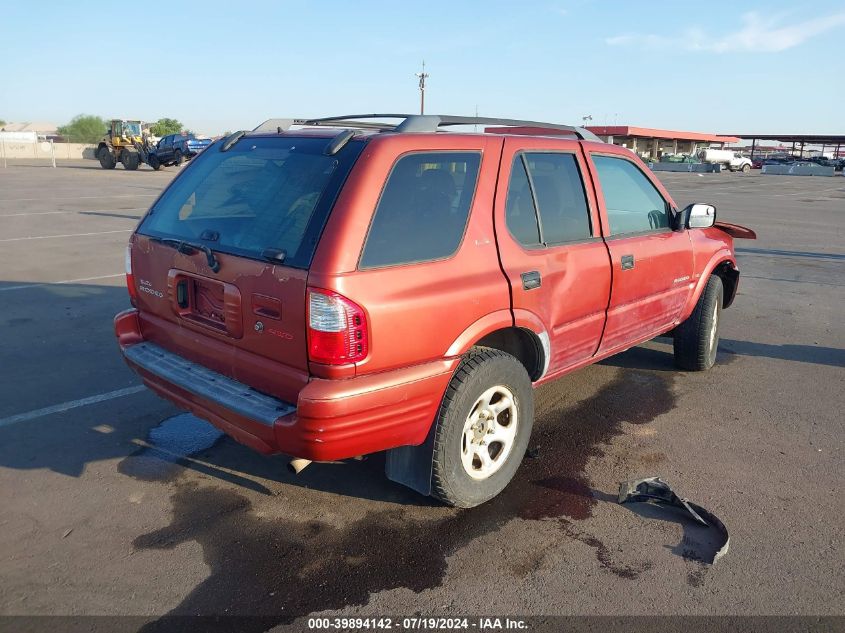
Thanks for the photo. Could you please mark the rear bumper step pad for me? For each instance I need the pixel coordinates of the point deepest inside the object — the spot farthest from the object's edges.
(208, 384)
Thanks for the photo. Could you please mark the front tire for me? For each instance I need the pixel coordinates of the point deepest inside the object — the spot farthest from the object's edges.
(131, 160)
(697, 338)
(746, 168)
(482, 428)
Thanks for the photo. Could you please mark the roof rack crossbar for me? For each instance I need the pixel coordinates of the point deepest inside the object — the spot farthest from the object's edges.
(418, 123)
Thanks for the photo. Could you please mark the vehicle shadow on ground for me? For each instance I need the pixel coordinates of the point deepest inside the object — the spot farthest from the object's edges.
(239, 465)
(652, 357)
(815, 354)
(782, 253)
(657, 355)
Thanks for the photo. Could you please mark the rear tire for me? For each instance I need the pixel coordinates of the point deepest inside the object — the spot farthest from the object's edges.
(482, 428)
(697, 338)
(106, 159)
(178, 159)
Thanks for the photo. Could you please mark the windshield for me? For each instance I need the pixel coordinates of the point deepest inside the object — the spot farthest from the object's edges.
(263, 193)
(132, 128)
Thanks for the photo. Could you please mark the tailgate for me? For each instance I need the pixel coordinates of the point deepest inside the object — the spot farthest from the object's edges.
(198, 144)
(247, 321)
(258, 206)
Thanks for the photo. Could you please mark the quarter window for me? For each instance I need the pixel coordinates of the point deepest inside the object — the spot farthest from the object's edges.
(423, 209)
(633, 204)
(561, 204)
(520, 213)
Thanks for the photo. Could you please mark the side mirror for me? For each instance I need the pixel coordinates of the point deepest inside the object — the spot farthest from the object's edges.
(697, 216)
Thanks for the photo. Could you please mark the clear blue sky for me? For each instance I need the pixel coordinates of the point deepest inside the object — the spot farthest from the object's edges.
(773, 66)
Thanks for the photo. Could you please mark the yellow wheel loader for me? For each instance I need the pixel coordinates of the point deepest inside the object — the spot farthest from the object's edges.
(126, 142)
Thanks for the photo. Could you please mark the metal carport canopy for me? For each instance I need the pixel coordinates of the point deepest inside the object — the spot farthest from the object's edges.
(810, 139)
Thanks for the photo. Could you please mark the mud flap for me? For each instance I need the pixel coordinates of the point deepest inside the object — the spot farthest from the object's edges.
(656, 490)
(411, 465)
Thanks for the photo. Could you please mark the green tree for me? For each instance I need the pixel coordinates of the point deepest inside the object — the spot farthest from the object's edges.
(2, 123)
(84, 128)
(163, 127)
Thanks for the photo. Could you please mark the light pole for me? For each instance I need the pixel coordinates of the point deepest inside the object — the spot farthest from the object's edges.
(422, 77)
(588, 117)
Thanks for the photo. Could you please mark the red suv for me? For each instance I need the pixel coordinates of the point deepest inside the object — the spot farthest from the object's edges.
(329, 288)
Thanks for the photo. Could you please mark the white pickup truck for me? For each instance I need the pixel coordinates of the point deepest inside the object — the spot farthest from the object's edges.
(730, 159)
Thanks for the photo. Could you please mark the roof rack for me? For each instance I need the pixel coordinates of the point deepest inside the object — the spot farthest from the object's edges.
(416, 123)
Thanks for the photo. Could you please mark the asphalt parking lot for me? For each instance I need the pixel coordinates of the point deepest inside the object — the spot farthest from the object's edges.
(114, 504)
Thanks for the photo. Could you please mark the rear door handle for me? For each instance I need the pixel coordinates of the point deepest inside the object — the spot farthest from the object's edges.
(627, 262)
(531, 280)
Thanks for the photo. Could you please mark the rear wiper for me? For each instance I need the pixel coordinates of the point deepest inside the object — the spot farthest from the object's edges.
(188, 248)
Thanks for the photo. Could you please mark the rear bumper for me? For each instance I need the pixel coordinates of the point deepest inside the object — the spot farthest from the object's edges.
(332, 419)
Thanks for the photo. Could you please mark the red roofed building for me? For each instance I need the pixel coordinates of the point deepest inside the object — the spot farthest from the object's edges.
(652, 143)
(645, 141)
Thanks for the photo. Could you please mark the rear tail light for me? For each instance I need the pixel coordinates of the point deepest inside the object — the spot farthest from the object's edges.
(130, 278)
(337, 329)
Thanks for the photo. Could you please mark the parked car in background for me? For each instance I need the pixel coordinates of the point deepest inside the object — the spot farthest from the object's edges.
(175, 149)
(290, 286)
(824, 161)
(757, 162)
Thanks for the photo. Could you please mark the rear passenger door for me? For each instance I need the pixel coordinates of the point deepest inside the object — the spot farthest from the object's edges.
(551, 249)
(652, 264)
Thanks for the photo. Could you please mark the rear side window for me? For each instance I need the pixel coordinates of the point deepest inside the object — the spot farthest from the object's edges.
(561, 204)
(633, 204)
(423, 209)
(263, 193)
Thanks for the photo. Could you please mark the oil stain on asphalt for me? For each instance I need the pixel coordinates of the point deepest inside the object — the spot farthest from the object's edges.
(278, 569)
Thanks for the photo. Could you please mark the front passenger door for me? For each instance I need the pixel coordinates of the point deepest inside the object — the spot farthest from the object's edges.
(652, 264)
(164, 153)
